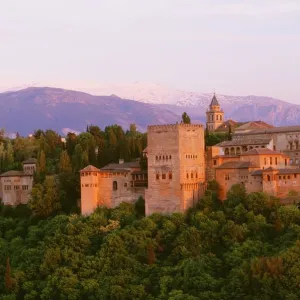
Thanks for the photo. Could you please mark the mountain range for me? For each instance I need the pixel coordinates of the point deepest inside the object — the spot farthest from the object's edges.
(26, 110)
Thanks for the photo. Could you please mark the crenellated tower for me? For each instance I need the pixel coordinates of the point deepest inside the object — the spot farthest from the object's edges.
(176, 167)
(214, 115)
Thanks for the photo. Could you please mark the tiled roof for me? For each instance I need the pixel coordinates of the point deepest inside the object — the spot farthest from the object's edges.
(13, 174)
(242, 142)
(125, 165)
(261, 151)
(254, 125)
(214, 101)
(282, 129)
(256, 172)
(90, 168)
(280, 171)
(236, 165)
(30, 161)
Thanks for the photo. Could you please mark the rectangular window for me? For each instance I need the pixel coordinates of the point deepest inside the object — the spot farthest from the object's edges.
(295, 175)
(25, 187)
(215, 162)
(226, 176)
(265, 160)
(271, 160)
(276, 161)
(157, 176)
(16, 187)
(163, 176)
(170, 176)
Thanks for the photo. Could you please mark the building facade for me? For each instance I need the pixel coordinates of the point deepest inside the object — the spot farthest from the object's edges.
(176, 167)
(214, 115)
(16, 186)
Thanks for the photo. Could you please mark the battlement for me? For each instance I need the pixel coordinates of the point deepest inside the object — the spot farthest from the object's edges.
(170, 127)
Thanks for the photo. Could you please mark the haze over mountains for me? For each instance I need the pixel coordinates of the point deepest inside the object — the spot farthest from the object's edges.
(26, 110)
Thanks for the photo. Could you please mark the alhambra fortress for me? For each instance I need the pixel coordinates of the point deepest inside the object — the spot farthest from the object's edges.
(259, 156)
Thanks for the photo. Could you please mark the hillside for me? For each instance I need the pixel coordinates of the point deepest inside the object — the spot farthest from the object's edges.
(63, 110)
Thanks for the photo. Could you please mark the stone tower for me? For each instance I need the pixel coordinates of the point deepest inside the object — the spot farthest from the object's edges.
(214, 115)
(176, 167)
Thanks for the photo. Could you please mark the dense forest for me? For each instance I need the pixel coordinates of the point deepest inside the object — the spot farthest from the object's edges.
(244, 248)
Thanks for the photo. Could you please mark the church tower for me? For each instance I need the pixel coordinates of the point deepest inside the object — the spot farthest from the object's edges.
(214, 115)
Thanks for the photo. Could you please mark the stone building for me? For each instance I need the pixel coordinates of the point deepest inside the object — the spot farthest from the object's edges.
(176, 167)
(111, 185)
(15, 186)
(214, 115)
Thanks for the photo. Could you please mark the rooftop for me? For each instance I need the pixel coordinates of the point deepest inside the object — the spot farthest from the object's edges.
(14, 173)
(237, 165)
(214, 101)
(90, 168)
(245, 142)
(261, 151)
(282, 129)
(125, 165)
(30, 161)
(252, 125)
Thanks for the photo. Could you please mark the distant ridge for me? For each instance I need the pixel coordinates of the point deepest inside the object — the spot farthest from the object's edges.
(61, 109)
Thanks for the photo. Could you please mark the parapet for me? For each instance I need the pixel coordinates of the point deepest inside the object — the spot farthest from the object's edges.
(171, 127)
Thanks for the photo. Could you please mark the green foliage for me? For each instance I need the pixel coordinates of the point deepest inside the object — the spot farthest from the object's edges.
(213, 138)
(185, 118)
(232, 251)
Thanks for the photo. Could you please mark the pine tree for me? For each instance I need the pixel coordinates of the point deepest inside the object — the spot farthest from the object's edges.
(185, 118)
(42, 162)
(8, 279)
(65, 163)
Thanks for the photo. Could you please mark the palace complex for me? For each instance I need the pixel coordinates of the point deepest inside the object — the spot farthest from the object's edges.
(260, 156)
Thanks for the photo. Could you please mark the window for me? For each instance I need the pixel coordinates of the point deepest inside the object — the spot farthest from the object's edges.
(271, 160)
(220, 117)
(170, 175)
(285, 162)
(217, 117)
(25, 187)
(274, 147)
(291, 145)
(170, 156)
(289, 177)
(16, 187)
(125, 185)
(226, 176)
(156, 157)
(196, 175)
(115, 185)
(295, 175)
(265, 161)
(163, 176)
(279, 177)
(192, 175)
(283, 177)
(215, 162)
(187, 175)
(163, 157)
(157, 176)
(7, 187)
(276, 161)
(268, 177)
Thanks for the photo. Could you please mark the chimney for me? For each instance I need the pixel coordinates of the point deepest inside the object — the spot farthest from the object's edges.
(121, 161)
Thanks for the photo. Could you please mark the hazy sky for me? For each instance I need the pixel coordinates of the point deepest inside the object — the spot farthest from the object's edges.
(237, 47)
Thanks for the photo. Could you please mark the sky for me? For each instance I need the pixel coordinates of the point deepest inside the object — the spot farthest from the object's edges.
(236, 47)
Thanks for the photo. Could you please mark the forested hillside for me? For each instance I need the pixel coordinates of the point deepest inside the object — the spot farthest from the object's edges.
(247, 248)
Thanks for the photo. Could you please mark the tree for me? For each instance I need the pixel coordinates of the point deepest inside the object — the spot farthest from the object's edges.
(65, 163)
(41, 165)
(8, 279)
(185, 118)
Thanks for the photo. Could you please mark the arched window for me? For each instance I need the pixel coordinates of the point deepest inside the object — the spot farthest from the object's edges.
(232, 151)
(238, 150)
(220, 117)
(170, 156)
(226, 151)
(192, 175)
(115, 185)
(187, 175)
(170, 175)
(217, 117)
(163, 157)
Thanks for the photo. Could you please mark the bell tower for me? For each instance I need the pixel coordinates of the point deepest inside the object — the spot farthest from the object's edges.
(214, 115)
